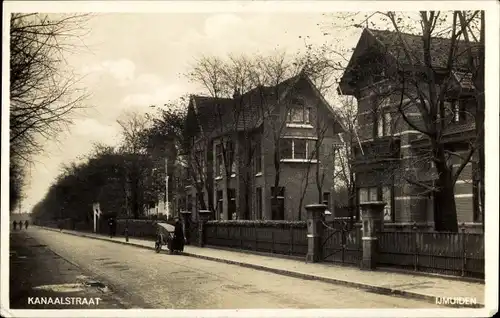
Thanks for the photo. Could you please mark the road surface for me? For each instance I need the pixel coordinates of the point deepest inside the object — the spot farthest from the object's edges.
(38, 274)
(162, 281)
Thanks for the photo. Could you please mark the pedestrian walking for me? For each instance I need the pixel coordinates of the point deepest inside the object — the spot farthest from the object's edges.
(26, 224)
(15, 225)
(178, 240)
(115, 225)
(110, 226)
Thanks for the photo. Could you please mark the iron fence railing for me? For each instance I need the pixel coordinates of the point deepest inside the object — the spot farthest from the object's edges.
(284, 239)
(457, 254)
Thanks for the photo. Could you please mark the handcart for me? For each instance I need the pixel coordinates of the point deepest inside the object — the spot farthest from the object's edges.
(164, 236)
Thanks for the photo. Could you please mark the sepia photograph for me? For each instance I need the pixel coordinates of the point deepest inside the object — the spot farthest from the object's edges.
(249, 159)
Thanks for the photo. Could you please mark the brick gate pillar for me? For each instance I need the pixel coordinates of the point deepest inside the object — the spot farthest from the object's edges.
(315, 216)
(204, 216)
(185, 217)
(372, 215)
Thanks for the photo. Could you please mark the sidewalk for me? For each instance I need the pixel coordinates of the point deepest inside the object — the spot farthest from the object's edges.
(389, 283)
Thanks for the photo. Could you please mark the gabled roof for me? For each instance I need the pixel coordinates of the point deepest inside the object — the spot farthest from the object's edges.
(440, 48)
(391, 44)
(221, 115)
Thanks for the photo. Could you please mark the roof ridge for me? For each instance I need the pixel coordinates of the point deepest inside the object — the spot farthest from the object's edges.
(414, 35)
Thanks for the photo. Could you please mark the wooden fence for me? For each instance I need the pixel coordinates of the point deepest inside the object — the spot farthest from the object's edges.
(458, 254)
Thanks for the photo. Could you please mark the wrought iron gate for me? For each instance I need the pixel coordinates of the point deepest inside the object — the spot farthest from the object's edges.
(341, 242)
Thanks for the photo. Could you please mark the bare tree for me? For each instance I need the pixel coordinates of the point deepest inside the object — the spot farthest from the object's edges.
(345, 178)
(422, 70)
(250, 92)
(138, 166)
(225, 80)
(43, 90)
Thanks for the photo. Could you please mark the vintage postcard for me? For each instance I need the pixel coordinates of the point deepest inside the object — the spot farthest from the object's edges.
(249, 159)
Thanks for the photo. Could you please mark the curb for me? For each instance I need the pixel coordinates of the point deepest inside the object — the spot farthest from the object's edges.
(366, 287)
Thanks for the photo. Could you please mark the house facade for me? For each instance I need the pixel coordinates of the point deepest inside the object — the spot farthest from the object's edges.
(393, 162)
(242, 147)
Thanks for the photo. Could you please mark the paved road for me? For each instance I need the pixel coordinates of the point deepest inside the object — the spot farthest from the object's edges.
(37, 274)
(173, 281)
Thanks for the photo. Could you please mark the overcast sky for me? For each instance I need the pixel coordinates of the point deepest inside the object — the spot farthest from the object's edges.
(134, 60)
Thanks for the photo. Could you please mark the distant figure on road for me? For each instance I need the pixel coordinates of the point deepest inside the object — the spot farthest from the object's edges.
(26, 224)
(15, 225)
(111, 225)
(178, 240)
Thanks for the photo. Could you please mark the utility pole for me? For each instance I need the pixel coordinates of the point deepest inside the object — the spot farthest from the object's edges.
(166, 188)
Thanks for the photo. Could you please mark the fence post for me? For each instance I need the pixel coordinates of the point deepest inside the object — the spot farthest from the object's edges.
(241, 237)
(126, 230)
(204, 216)
(272, 241)
(464, 252)
(315, 216)
(256, 237)
(372, 216)
(291, 240)
(185, 216)
(415, 242)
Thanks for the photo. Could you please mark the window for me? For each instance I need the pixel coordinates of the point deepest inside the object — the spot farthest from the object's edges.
(295, 148)
(200, 197)
(384, 122)
(456, 109)
(220, 203)
(326, 199)
(298, 113)
(286, 148)
(219, 160)
(232, 202)
(230, 156)
(258, 203)
(189, 203)
(367, 195)
(200, 165)
(278, 204)
(387, 198)
(299, 149)
(459, 111)
(258, 157)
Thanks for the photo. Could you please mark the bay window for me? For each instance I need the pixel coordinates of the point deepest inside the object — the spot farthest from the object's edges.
(296, 148)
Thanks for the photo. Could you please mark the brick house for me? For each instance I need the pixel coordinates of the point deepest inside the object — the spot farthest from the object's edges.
(390, 150)
(243, 133)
